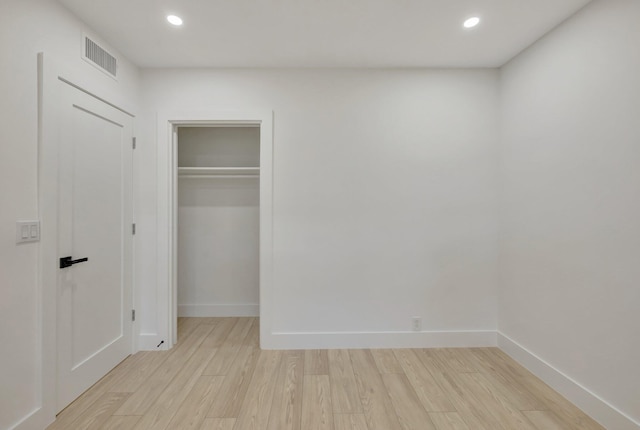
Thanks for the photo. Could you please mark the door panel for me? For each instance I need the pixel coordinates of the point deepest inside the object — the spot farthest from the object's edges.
(95, 218)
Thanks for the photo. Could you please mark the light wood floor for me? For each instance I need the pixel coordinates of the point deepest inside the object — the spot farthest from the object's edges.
(218, 378)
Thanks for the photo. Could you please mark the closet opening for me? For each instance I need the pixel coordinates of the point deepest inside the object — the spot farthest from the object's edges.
(217, 220)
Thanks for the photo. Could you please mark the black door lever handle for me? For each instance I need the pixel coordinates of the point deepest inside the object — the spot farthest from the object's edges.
(68, 262)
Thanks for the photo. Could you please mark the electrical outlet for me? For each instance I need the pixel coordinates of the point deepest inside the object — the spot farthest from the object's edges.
(416, 324)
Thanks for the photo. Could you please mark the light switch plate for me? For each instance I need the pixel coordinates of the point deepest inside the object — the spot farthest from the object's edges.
(27, 231)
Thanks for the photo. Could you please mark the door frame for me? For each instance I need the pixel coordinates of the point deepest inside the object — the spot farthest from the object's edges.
(51, 74)
(167, 175)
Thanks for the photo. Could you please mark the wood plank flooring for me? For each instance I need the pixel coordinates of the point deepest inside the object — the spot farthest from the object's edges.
(217, 378)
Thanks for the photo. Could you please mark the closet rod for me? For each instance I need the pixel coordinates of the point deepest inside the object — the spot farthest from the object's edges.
(217, 176)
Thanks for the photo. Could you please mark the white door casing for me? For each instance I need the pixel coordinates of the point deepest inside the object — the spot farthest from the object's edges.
(167, 167)
(95, 220)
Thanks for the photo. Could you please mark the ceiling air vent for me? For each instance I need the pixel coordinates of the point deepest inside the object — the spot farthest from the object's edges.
(99, 57)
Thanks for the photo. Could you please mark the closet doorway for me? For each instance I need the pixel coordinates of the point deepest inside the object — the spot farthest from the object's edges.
(218, 221)
(215, 219)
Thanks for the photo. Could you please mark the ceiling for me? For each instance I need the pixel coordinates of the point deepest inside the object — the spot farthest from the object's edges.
(322, 33)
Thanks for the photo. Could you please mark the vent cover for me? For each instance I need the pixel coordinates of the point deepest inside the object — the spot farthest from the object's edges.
(95, 54)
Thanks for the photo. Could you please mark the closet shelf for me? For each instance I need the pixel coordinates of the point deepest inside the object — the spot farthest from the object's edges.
(218, 172)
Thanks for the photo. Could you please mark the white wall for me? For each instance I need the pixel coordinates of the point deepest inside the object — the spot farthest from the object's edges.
(384, 193)
(218, 224)
(570, 206)
(26, 28)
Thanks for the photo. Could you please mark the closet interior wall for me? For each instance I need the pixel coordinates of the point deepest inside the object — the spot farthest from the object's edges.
(218, 221)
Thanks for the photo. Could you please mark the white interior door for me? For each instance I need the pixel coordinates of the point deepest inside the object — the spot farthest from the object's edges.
(95, 215)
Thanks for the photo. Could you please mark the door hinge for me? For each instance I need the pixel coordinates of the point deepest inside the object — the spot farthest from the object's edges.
(133, 228)
(134, 143)
(133, 315)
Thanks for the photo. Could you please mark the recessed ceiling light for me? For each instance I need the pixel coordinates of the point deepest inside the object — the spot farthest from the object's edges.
(175, 20)
(471, 22)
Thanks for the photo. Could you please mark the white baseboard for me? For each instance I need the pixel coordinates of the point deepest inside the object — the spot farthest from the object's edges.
(248, 310)
(355, 340)
(597, 408)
